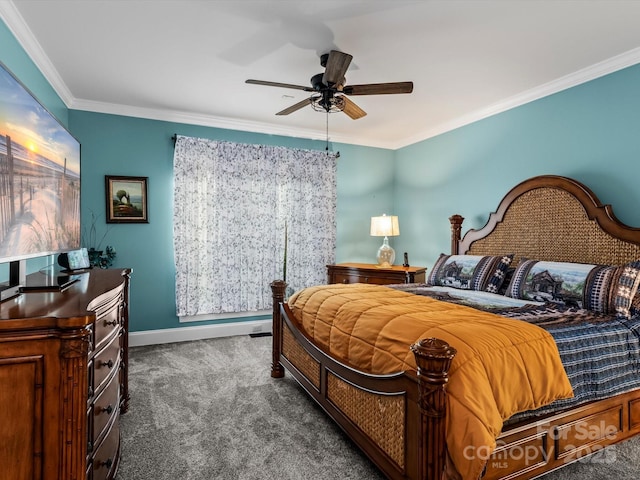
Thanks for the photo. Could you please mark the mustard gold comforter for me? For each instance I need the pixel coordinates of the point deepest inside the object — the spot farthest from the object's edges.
(503, 366)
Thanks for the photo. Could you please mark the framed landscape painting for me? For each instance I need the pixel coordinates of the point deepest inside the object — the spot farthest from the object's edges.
(126, 199)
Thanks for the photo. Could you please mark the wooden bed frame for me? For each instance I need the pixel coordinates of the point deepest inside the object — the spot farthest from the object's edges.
(399, 420)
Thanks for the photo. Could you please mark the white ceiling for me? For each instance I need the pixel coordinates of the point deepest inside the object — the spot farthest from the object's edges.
(187, 60)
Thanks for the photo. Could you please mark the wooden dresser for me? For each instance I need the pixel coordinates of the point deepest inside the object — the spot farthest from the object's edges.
(63, 379)
(369, 273)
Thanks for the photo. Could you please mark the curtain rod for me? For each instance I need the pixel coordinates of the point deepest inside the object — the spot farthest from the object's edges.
(174, 137)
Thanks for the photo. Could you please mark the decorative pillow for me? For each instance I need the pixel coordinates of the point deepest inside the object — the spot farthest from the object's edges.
(628, 283)
(554, 281)
(600, 288)
(470, 272)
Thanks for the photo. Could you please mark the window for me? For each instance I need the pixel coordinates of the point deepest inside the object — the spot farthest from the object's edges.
(232, 205)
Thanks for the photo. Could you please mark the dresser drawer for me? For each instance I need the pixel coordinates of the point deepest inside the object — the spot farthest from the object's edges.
(368, 273)
(107, 321)
(105, 460)
(346, 278)
(105, 407)
(105, 362)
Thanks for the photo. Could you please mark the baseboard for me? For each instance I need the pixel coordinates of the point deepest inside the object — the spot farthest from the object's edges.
(199, 332)
(223, 316)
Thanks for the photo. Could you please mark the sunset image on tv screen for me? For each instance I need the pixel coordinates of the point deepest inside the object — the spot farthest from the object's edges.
(39, 177)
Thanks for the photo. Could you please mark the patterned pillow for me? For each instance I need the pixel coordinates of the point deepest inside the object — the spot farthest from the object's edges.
(600, 288)
(627, 287)
(470, 272)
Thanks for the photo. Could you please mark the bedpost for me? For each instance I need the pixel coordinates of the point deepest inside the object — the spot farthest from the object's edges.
(456, 229)
(278, 288)
(433, 358)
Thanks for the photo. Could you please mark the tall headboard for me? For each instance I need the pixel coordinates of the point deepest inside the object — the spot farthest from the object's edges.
(551, 218)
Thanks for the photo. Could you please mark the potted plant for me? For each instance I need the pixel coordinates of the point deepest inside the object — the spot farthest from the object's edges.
(98, 257)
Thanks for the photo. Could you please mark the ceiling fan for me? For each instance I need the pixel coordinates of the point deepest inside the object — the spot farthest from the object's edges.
(329, 91)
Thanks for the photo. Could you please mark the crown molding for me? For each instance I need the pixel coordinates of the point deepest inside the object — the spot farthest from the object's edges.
(213, 121)
(25, 37)
(613, 64)
(22, 32)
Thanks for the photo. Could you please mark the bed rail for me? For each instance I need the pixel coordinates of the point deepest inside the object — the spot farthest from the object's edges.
(401, 428)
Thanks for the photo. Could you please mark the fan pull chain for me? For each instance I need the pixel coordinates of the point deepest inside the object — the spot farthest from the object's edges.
(327, 146)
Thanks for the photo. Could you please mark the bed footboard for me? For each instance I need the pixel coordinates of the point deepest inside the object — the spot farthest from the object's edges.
(397, 420)
(433, 358)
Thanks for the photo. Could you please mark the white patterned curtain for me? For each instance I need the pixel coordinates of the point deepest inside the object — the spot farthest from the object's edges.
(232, 204)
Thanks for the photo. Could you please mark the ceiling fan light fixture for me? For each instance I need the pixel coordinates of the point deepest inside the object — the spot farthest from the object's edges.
(330, 105)
(338, 102)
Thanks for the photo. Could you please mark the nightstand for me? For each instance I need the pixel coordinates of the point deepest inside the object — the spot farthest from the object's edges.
(370, 273)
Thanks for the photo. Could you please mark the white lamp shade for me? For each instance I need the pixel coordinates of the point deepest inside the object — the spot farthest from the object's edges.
(385, 226)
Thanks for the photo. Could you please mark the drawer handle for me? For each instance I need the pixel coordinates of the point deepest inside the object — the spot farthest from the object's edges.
(112, 322)
(345, 280)
(107, 463)
(108, 409)
(108, 364)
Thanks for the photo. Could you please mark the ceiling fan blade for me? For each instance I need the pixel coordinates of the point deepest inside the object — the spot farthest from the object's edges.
(378, 88)
(278, 84)
(297, 106)
(337, 65)
(351, 109)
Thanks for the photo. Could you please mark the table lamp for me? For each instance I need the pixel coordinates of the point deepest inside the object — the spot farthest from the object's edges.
(385, 226)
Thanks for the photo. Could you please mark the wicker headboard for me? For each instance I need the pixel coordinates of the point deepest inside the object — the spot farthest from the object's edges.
(551, 218)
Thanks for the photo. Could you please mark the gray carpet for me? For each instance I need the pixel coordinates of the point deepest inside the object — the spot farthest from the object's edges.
(209, 410)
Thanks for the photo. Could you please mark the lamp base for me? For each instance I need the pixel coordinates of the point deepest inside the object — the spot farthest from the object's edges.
(386, 255)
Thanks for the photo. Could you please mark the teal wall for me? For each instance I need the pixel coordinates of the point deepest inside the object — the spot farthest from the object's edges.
(117, 145)
(365, 189)
(590, 133)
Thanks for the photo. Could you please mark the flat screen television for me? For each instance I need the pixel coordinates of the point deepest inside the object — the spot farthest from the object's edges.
(39, 182)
